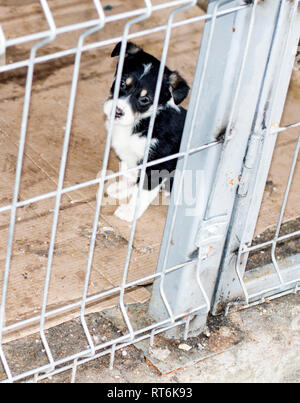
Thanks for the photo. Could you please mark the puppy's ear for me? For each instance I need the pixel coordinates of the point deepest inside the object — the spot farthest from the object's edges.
(179, 87)
(131, 49)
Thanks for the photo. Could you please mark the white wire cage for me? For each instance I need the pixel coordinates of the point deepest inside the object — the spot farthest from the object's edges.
(173, 317)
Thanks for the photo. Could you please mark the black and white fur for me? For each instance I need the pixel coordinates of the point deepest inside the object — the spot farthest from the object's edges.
(132, 117)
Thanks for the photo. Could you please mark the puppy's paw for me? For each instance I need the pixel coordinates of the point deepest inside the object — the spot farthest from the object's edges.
(166, 193)
(114, 190)
(125, 212)
(119, 190)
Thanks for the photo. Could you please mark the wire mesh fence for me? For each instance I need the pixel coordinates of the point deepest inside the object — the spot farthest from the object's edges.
(286, 269)
(171, 307)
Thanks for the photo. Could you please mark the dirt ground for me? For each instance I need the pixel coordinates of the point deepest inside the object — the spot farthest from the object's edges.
(48, 111)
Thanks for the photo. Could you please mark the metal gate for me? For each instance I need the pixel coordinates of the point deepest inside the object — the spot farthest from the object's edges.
(246, 101)
(239, 89)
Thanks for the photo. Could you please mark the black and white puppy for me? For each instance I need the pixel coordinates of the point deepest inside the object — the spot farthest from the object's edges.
(131, 122)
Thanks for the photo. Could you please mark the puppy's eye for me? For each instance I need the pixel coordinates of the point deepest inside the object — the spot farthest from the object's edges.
(144, 101)
(123, 84)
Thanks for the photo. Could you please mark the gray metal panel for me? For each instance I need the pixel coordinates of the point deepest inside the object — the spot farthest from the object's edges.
(262, 282)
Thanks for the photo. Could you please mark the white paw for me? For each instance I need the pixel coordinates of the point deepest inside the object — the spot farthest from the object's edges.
(125, 212)
(119, 190)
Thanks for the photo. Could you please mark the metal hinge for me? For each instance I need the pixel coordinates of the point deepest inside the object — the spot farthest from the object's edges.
(251, 159)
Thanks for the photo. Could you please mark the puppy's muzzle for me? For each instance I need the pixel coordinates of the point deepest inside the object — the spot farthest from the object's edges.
(123, 114)
(119, 113)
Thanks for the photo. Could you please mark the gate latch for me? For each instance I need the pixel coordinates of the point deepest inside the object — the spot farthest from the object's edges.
(211, 233)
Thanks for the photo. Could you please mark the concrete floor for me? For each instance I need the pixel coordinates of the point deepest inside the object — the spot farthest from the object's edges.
(270, 352)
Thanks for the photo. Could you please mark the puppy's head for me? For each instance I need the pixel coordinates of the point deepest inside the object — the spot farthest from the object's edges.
(138, 83)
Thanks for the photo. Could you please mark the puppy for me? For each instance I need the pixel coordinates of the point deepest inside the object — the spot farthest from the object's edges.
(131, 123)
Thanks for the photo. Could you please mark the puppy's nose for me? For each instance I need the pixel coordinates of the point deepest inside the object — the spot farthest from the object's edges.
(119, 113)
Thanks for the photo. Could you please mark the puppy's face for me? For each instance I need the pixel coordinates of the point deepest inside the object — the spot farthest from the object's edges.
(138, 83)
